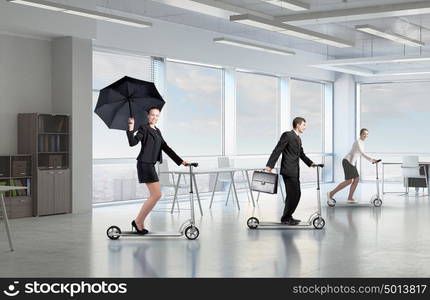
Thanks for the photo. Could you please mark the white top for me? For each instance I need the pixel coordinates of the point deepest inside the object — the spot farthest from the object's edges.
(357, 150)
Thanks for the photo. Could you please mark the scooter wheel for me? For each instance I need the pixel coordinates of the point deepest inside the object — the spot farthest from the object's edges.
(331, 202)
(377, 202)
(192, 232)
(113, 232)
(253, 223)
(318, 223)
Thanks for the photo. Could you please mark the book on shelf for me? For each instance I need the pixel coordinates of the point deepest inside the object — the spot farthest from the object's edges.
(28, 186)
(45, 143)
(3, 183)
(60, 125)
(41, 124)
(57, 143)
(12, 192)
(18, 183)
(52, 143)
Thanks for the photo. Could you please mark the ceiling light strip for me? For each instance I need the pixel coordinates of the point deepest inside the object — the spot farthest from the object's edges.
(290, 30)
(82, 12)
(253, 46)
(290, 4)
(389, 36)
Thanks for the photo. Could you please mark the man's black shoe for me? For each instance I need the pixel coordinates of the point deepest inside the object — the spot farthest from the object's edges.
(296, 220)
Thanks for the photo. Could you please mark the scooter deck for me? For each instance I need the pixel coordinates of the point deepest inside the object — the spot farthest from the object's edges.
(357, 204)
(151, 234)
(278, 225)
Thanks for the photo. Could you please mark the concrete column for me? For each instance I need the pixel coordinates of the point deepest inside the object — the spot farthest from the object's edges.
(72, 94)
(344, 120)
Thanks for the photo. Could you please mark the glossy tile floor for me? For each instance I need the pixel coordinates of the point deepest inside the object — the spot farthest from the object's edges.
(391, 241)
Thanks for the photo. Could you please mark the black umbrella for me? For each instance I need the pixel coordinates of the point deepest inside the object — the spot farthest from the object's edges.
(127, 98)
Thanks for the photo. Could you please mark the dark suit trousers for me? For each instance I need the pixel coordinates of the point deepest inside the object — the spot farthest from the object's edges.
(292, 188)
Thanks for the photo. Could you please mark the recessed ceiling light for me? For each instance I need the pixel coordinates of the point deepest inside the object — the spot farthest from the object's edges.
(290, 4)
(389, 36)
(290, 30)
(253, 46)
(82, 12)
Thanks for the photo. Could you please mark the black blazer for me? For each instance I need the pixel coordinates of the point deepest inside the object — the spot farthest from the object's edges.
(151, 150)
(291, 148)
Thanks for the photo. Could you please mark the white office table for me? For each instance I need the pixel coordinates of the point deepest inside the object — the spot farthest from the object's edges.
(3, 189)
(216, 171)
(423, 163)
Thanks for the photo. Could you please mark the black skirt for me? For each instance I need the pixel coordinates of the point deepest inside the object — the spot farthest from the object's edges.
(349, 170)
(146, 172)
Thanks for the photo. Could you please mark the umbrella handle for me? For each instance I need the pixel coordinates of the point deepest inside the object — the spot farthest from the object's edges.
(129, 108)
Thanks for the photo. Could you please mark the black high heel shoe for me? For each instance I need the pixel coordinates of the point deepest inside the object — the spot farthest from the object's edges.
(134, 225)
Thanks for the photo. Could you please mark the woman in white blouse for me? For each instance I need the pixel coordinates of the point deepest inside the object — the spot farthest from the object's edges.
(349, 168)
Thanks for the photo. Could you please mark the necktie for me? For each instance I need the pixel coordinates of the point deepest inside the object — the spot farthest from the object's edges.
(299, 141)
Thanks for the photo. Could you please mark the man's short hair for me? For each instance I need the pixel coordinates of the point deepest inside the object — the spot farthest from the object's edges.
(363, 130)
(298, 121)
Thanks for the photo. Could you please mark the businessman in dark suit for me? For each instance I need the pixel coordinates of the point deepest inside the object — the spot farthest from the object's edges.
(290, 145)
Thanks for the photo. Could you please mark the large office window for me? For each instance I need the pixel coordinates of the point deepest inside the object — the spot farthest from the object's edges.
(114, 167)
(193, 111)
(307, 102)
(107, 68)
(256, 113)
(396, 115)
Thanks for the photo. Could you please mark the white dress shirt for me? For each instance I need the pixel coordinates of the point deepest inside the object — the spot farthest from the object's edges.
(357, 150)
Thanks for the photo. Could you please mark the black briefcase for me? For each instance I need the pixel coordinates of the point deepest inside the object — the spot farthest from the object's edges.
(264, 182)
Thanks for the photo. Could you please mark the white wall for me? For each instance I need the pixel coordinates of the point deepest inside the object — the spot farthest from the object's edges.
(25, 84)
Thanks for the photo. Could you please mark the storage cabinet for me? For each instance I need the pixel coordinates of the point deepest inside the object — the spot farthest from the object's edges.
(15, 170)
(54, 192)
(47, 137)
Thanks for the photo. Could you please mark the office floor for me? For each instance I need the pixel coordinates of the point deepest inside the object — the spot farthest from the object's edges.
(391, 241)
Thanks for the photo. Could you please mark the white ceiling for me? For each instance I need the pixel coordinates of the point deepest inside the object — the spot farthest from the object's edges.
(178, 11)
(406, 25)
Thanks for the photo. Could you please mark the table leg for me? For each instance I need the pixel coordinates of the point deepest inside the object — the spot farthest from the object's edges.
(6, 222)
(249, 186)
(198, 195)
(280, 186)
(383, 179)
(213, 192)
(247, 194)
(228, 194)
(234, 189)
(176, 193)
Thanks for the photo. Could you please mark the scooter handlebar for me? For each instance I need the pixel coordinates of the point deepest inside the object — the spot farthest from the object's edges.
(377, 161)
(320, 165)
(193, 164)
